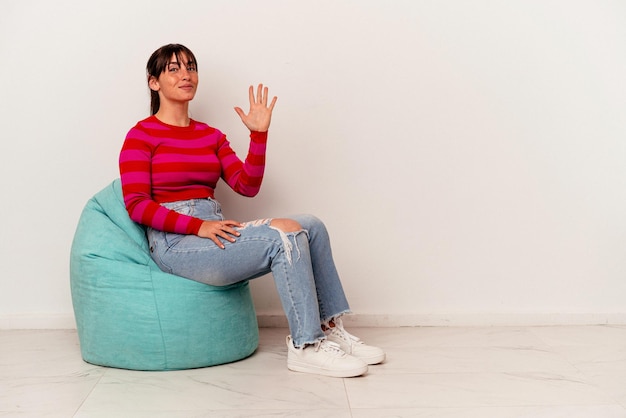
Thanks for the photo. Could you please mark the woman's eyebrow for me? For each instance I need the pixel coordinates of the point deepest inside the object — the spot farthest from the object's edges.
(190, 62)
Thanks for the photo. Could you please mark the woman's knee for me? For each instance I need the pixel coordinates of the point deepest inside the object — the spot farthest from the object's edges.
(310, 223)
(286, 225)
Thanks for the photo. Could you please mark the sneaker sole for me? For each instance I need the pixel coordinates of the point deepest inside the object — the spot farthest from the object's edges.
(372, 360)
(306, 368)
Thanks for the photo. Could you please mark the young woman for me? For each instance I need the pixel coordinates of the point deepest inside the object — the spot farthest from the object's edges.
(169, 167)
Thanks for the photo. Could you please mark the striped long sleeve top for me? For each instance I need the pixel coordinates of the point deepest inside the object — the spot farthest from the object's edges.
(164, 163)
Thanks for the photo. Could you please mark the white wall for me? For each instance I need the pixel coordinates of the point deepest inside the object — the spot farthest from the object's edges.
(468, 157)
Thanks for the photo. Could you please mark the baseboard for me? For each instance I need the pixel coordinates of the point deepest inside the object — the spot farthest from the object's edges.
(278, 320)
(38, 321)
(458, 320)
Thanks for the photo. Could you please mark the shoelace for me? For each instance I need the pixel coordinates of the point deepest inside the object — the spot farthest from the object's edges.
(339, 329)
(329, 347)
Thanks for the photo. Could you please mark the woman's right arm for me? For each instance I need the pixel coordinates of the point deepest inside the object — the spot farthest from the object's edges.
(135, 172)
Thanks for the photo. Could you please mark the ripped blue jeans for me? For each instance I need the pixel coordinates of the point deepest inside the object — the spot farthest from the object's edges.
(301, 263)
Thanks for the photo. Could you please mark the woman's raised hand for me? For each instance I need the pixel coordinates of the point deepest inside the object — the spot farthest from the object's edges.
(260, 114)
(214, 230)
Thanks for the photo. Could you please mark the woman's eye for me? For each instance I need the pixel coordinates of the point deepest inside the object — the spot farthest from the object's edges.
(173, 69)
(191, 68)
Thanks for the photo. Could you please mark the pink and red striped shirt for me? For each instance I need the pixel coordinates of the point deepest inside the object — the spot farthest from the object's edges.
(164, 163)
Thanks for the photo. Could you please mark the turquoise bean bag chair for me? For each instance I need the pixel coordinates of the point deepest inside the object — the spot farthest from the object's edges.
(131, 315)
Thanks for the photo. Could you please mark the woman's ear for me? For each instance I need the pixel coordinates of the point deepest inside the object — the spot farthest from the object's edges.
(153, 83)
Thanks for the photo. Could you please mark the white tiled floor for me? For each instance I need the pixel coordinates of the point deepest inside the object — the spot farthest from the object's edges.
(503, 372)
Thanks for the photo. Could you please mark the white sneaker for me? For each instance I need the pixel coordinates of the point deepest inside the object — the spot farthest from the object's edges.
(323, 358)
(353, 345)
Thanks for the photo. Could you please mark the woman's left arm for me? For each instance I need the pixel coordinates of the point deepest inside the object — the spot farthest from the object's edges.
(245, 177)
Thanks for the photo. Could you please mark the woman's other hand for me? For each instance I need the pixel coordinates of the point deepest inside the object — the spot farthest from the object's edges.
(214, 230)
(260, 114)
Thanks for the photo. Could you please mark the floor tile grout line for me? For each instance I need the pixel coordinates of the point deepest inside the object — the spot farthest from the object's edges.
(90, 392)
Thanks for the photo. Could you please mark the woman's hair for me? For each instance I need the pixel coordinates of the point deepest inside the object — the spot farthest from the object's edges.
(158, 63)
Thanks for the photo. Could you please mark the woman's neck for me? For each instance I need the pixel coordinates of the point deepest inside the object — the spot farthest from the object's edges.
(175, 117)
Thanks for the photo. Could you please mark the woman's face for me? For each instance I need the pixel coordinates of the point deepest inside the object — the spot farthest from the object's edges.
(179, 81)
